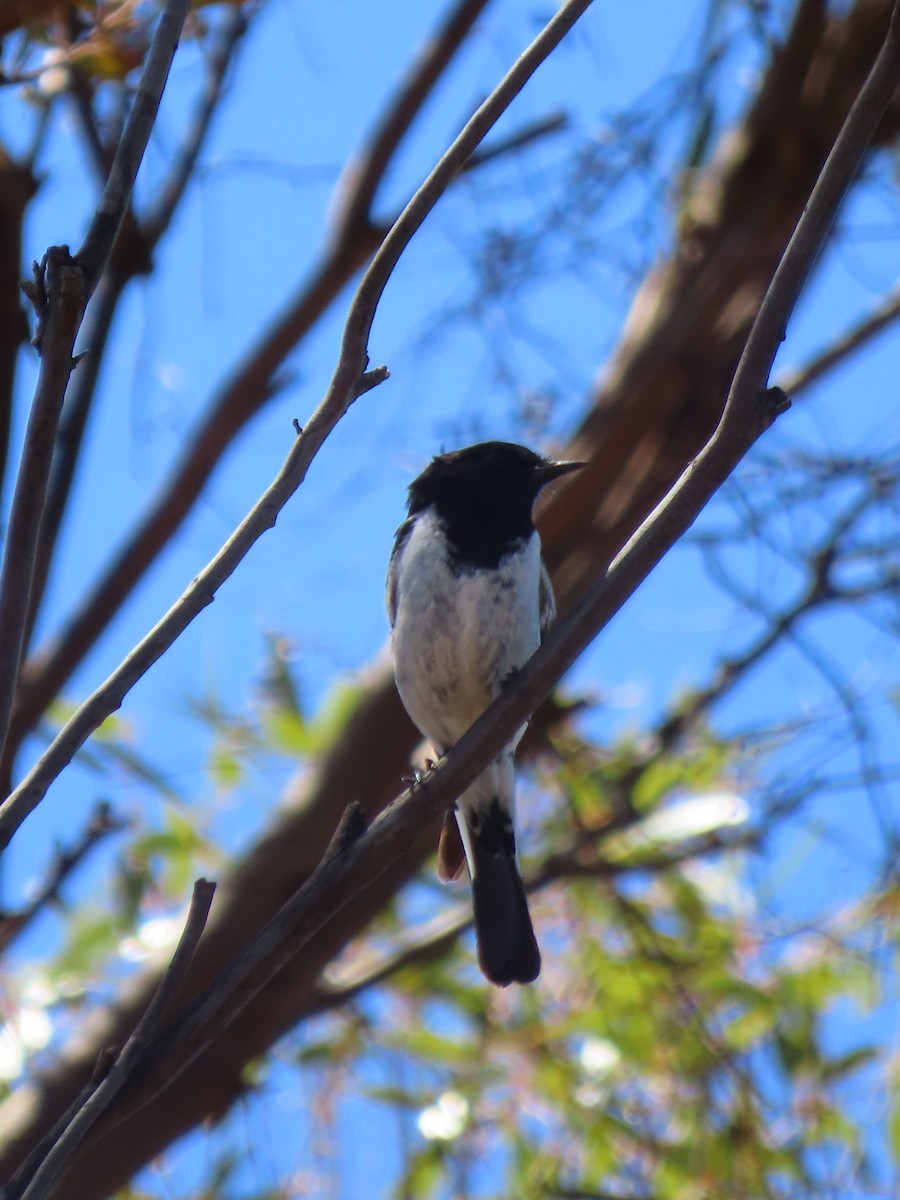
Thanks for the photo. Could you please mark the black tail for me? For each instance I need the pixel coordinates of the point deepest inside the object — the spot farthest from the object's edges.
(507, 949)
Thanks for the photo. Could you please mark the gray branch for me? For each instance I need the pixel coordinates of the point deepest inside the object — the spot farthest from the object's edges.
(54, 1162)
(350, 381)
(60, 290)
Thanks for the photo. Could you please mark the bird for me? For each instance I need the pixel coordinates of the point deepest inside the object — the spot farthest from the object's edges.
(468, 598)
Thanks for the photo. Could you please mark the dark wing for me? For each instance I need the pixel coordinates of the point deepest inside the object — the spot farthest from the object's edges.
(390, 594)
(546, 599)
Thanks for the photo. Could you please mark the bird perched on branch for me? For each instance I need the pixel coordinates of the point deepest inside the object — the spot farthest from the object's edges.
(468, 598)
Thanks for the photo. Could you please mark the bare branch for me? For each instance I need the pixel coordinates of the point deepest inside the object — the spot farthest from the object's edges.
(157, 221)
(18, 184)
(248, 386)
(363, 176)
(58, 294)
(55, 1161)
(348, 382)
(70, 433)
(98, 242)
(132, 255)
(102, 823)
(879, 318)
(60, 291)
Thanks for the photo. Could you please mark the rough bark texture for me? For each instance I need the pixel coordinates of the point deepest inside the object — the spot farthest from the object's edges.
(662, 395)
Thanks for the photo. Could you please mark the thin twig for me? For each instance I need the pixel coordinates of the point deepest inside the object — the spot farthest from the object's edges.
(143, 236)
(60, 292)
(858, 335)
(103, 822)
(107, 218)
(348, 383)
(248, 386)
(157, 221)
(58, 295)
(54, 1163)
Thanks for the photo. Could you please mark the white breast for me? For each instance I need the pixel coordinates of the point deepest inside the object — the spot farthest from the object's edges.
(457, 637)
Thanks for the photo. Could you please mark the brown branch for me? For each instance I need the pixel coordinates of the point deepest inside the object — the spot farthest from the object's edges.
(748, 413)
(18, 186)
(70, 433)
(362, 177)
(348, 383)
(340, 879)
(249, 385)
(60, 291)
(54, 1162)
(663, 389)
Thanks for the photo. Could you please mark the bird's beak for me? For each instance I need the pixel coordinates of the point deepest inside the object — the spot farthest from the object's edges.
(553, 470)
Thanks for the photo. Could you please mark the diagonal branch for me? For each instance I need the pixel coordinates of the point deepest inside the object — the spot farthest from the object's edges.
(363, 177)
(103, 822)
(243, 392)
(348, 383)
(132, 255)
(157, 221)
(53, 1162)
(60, 291)
(98, 242)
